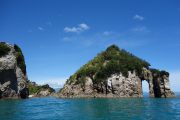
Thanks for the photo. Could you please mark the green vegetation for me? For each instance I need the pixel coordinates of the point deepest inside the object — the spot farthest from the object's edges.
(111, 61)
(159, 73)
(33, 89)
(4, 49)
(20, 58)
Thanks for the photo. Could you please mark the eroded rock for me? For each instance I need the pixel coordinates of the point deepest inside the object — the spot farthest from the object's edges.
(12, 79)
(36, 90)
(120, 86)
(116, 73)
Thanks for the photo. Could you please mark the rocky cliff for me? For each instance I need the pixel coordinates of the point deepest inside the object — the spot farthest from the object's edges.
(13, 76)
(116, 73)
(36, 90)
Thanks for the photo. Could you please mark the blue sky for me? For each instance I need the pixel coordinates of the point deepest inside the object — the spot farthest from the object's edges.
(59, 36)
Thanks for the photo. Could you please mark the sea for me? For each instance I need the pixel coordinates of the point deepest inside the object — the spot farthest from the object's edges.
(51, 108)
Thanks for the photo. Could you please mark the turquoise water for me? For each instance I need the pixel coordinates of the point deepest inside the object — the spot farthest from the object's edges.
(90, 109)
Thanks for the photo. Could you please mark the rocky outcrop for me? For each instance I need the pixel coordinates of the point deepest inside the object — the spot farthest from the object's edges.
(116, 84)
(120, 86)
(36, 90)
(158, 83)
(13, 77)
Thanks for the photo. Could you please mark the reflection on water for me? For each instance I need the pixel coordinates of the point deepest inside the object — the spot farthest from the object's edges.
(88, 109)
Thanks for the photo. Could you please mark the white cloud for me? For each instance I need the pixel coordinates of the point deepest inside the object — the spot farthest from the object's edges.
(53, 82)
(138, 17)
(107, 33)
(40, 28)
(140, 29)
(80, 28)
(106, 38)
(84, 26)
(175, 80)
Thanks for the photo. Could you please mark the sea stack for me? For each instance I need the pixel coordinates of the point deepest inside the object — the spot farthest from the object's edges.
(13, 77)
(116, 73)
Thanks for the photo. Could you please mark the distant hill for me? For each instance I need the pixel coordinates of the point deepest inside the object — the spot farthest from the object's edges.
(36, 90)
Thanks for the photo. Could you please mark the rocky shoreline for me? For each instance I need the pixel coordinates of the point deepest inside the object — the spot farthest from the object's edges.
(115, 82)
(114, 73)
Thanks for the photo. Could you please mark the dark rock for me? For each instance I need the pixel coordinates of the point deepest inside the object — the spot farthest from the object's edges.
(12, 78)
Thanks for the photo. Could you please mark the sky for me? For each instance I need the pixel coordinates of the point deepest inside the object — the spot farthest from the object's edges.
(57, 37)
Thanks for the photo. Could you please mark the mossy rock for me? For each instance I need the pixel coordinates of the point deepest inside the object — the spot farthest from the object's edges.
(158, 73)
(4, 49)
(112, 60)
(20, 59)
(33, 89)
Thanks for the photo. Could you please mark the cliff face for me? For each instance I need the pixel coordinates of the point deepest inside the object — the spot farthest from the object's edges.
(116, 73)
(12, 72)
(36, 90)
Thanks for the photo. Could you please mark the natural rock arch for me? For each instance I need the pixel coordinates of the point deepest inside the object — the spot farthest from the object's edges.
(120, 86)
(158, 84)
(145, 87)
(116, 73)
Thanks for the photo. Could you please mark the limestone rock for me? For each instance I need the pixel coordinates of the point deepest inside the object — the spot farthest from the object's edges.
(12, 79)
(44, 93)
(36, 90)
(120, 86)
(116, 73)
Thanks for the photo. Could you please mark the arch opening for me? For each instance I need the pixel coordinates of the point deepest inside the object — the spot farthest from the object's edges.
(145, 88)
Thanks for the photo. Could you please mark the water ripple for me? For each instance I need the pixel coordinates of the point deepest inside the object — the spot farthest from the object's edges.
(90, 109)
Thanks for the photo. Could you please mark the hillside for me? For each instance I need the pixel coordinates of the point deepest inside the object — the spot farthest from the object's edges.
(99, 72)
(36, 90)
(112, 60)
